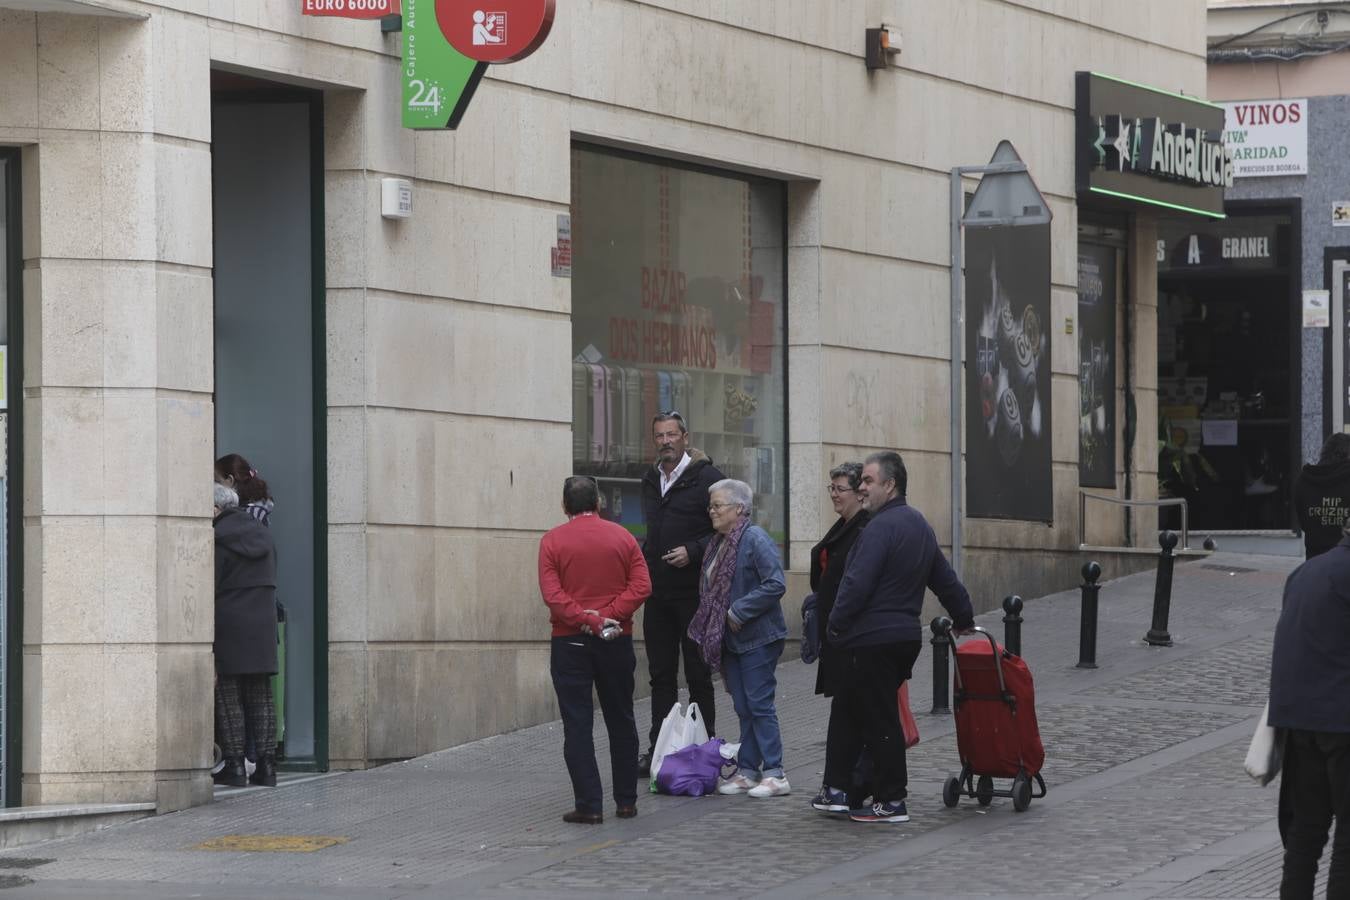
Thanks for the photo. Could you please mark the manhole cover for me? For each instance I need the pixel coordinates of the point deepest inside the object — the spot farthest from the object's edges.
(1231, 570)
(271, 843)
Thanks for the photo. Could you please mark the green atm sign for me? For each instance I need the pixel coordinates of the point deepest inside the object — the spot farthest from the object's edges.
(438, 80)
(448, 45)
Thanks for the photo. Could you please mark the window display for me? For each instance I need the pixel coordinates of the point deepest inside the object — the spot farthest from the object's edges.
(677, 304)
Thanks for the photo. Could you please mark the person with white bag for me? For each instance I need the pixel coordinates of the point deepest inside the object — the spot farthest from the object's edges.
(1310, 705)
(741, 632)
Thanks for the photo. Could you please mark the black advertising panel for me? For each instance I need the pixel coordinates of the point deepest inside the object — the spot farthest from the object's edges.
(1142, 145)
(1008, 473)
(1096, 366)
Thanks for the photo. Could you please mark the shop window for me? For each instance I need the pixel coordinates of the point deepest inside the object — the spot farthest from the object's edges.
(677, 303)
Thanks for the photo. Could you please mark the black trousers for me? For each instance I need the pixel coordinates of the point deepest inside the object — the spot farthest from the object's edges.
(1314, 789)
(665, 628)
(241, 699)
(579, 663)
(865, 714)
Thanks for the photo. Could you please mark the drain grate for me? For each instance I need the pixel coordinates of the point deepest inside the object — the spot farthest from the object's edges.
(1232, 570)
(21, 862)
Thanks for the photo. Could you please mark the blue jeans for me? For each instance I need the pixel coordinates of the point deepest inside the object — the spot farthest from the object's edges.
(580, 663)
(751, 681)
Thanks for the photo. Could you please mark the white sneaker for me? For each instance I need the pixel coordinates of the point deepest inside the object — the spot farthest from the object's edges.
(736, 784)
(771, 787)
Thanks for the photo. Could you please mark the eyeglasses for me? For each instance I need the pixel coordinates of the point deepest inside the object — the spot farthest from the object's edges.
(836, 489)
(718, 507)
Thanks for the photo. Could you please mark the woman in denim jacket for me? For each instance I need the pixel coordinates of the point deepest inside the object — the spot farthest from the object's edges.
(740, 630)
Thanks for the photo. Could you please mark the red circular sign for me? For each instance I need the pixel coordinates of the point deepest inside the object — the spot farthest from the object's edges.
(495, 31)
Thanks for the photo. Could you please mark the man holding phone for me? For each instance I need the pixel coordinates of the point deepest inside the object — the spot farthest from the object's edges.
(675, 508)
(593, 579)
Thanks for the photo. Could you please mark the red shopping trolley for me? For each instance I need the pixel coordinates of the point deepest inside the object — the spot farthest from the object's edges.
(994, 702)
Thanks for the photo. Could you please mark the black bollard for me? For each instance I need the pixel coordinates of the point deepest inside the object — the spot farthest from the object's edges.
(1162, 593)
(1087, 627)
(941, 628)
(1012, 624)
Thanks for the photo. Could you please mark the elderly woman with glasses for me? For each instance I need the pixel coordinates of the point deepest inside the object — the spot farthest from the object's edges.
(827, 562)
(741, 631)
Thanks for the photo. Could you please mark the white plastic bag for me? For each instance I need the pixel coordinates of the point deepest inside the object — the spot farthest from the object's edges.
(1264, 756)
(672, 729)
(679, 729)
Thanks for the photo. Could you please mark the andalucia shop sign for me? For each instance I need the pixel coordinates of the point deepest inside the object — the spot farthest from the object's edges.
(1138, 144)
(448, 45)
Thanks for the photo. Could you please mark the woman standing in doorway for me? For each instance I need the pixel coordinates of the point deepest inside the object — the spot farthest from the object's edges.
(233, 471)
(245, 645)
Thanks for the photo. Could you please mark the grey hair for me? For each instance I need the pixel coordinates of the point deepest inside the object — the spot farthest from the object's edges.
(850, 470)
(738, 491)
(226, 498)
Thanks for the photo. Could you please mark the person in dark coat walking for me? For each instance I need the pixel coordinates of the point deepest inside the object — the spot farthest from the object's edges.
(1322, 496)
(675, 508)
(875, 625)
(246, 640)
(1310, 702)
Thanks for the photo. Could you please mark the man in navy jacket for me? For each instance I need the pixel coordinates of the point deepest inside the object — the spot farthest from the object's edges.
(875, 625)
(1310, 699)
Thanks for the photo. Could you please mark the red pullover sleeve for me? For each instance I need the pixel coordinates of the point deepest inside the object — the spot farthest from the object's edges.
(565, 610)
(639, 586)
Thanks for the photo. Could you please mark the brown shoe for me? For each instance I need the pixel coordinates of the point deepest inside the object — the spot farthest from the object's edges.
(577, 817)
(626, 812)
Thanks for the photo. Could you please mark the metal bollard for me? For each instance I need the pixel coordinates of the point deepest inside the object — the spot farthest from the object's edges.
(1087, 627)
(941, 627)
(1162, 593)
(1012, 624)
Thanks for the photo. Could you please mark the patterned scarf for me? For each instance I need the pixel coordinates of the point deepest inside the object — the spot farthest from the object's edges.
(709, 624)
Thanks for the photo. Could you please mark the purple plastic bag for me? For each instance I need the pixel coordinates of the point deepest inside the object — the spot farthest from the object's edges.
(692, 771)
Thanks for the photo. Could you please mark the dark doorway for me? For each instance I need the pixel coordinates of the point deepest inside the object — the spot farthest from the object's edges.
(1228, 363)
(11, 478)
(269, 365)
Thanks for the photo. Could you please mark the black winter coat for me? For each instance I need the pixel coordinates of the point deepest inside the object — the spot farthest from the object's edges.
(246, 591)
(680, 518)
(1310, 669)
(834, 547)
(1322, 501)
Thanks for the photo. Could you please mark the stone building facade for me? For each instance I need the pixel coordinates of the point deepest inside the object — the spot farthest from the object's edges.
(441, 347)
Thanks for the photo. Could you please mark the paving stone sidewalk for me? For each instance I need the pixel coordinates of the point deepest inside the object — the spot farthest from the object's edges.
(1147, 798)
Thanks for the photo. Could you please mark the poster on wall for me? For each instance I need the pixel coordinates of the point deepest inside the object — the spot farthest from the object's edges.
(1096, 366)
(1008, 473)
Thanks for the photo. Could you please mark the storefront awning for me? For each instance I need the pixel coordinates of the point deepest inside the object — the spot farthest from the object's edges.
(77, 7)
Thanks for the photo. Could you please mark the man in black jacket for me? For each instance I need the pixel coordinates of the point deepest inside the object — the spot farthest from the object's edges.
(1310, 700)
(875, 626)
(675, 508)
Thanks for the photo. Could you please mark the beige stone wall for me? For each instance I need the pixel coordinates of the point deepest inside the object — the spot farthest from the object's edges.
(448, 340)
(117, 405)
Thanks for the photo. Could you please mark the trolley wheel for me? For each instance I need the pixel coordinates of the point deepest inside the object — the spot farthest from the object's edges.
(951, 791)
(984, 790)
(1021, 793)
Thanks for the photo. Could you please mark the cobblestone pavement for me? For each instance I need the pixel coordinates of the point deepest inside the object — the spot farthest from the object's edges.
(1147, 798)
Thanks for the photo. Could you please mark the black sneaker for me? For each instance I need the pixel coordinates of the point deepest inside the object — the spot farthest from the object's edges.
(829, 800)
(232, 774)
(645, 765)
(881, 812)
